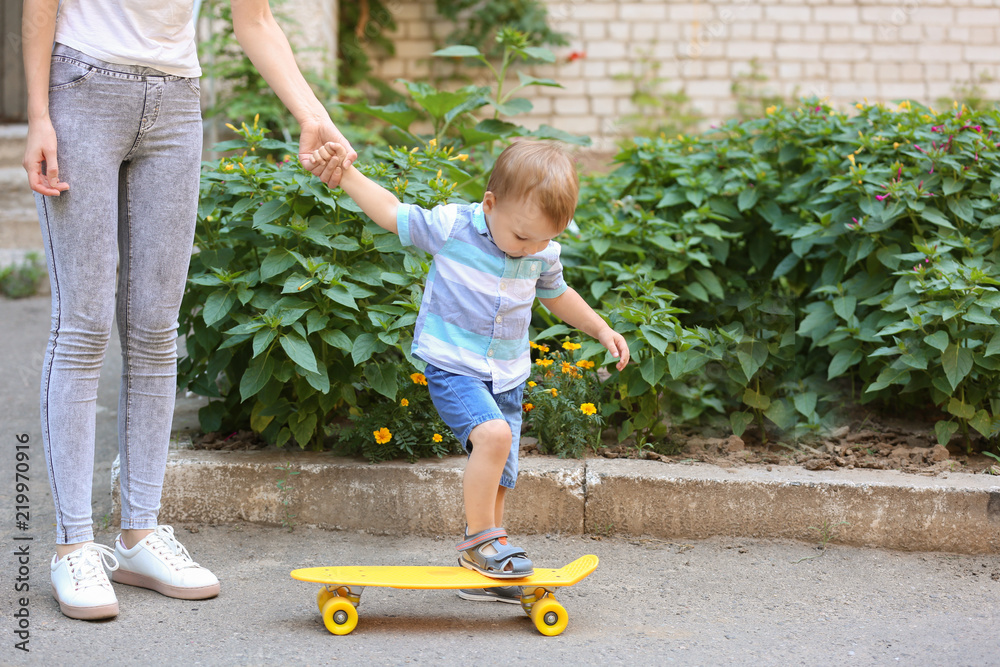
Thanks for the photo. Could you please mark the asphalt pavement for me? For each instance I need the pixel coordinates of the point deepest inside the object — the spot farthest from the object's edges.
(723, 600)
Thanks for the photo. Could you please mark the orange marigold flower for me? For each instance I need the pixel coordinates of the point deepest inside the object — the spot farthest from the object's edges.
(418, 378)
(571, 346)
(437, 437)
(553, 392)
(532, 383)
(588, 409)
(585, 364)
(567, 367)
(404, 402)
(544, 362)
(543, 348)
(533, 344)
(528, 407)
(382, 435)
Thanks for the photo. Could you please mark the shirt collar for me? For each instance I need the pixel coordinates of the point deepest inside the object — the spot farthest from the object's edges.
(479, 220)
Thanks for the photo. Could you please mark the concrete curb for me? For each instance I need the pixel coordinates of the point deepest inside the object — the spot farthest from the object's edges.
(957, 512)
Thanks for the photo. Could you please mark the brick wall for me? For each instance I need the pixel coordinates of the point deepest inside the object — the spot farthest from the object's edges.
(845, 50)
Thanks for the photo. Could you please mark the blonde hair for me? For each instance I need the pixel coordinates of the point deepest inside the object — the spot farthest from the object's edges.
(541, 172)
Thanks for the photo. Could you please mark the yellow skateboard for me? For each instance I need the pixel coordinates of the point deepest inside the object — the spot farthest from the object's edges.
(341, 593)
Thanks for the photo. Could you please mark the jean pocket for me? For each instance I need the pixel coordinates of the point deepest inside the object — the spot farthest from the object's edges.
(194, 85)
(66, 73)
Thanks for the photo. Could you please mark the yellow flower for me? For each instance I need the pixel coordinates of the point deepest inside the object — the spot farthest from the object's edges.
(859, 105)
(571, 346)
(585, 363)
(228, 167)
(528, 407)
(566, 367)
(437, 437)
(418, 378)
(532, 383)
(895, 144)
(544, 362)
(382, 435)
(461, 157)
(404, 402)
(543, 348)
(588, 409)
(432, 143)
(533, 344)
(553, 392)
(771, 109)
(850, 156)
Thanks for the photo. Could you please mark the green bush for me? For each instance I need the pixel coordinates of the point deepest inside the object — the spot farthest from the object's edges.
(811, 253)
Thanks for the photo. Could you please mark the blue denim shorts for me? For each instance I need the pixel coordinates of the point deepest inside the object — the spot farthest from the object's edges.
(464, 403)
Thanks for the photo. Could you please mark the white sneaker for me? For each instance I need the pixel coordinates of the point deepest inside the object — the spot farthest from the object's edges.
(80, 584)
(161, 563)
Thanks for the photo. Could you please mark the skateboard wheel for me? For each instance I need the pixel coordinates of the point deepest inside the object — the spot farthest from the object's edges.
(322, 597)
(339, 615)
(549, 617)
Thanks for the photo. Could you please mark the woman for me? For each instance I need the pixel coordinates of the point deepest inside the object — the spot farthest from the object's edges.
(113, 153)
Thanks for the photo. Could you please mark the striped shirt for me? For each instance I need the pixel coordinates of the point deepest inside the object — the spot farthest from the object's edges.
(477, 302)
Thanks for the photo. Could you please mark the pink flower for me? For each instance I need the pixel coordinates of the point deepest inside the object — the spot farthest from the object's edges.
(937, 128)
(931, 171)
(881, 197)
(922, 150)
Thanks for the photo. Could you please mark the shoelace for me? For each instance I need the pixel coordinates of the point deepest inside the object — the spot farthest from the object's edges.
(88, 562)
(175, 553)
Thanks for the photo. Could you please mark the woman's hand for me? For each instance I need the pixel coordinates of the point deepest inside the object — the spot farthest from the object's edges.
(40, 159)
(314, 135)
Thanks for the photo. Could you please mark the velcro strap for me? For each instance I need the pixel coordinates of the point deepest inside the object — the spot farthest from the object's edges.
(481, 537)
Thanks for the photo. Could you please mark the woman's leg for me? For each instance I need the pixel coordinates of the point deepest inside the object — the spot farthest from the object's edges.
(94, 120)
(158, 198)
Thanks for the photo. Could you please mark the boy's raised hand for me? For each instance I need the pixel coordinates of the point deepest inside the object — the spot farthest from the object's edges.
(616, 345)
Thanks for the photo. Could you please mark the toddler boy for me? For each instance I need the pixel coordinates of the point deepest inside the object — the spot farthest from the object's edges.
(490, 261)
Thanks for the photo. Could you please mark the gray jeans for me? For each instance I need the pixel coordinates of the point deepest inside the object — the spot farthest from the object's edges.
(118, 242)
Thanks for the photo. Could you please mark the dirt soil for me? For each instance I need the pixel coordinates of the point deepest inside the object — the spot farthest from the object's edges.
(883, 445)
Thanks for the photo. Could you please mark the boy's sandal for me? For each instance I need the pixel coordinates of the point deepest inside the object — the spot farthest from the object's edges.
(507, 563)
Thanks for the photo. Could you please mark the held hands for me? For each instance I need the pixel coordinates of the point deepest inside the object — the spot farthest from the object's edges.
(40, 159)
(616, 345)
(330, 162)
(317, 136)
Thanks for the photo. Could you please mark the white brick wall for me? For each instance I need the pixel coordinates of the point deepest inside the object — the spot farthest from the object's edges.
(844, 49)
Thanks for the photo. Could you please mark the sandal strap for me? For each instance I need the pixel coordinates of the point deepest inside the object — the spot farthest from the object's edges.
(483, 536)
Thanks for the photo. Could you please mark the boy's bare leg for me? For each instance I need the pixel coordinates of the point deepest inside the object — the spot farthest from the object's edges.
(491, 442)
(498, 512)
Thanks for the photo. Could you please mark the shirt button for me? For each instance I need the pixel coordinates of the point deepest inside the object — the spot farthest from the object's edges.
(503, 286)
(499, 319)
(490, 353)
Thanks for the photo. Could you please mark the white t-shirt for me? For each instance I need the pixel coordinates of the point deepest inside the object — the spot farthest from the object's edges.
(151, 33)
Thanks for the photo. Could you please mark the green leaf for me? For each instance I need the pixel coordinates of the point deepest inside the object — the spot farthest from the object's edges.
(751, 356)
(210, 416)
(300, 351)
(364, 347)
(938, 340)
(514, 106)
(341, 295)
(994, 345)
(398, 113)
(263, 340)
(711, 283)
(843, 360)
(781, 413)
(931, 214)
(962, 207)
(257, 374)
(657, 336)
(982, 423)
(540, 53)
(303, 427)
(527, 80)
(961, 409)
(739, 421)
(218, 304)
(944, 431)
(844, 306)
(748, 197)
(458, 51)
(805, 402)
(957, 362)
(890, 376)
(653, 368)
(336, 338)
(756, 400)
(382, 379)
(270, 211)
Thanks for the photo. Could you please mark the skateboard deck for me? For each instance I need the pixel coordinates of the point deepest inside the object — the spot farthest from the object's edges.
(341, 593)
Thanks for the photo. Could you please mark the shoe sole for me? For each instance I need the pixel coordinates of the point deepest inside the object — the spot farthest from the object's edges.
(179, 592)
(484, 597)
(94, 613)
